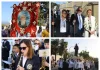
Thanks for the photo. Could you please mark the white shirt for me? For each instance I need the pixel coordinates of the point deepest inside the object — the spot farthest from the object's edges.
(80, 65)
(88, 64)
(60, 64)
(75, 65)
(63, 26)
(24, 60)
(80, 21)
(39, 34)
(71, 64)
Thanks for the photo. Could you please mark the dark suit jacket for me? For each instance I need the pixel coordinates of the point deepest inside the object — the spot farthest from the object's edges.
(16, 59)
(65, 66)
(75, 17)
(6, 45)
(34, 62)
(5, 50)
(57, 27)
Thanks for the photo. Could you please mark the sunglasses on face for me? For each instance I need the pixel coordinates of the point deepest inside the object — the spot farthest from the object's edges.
(37, 43)
(23, 48)
(64, 13)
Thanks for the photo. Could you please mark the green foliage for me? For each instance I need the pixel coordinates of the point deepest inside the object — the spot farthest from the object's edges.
(59, 47)
(54, 46)
(84, 54)
(54, 4)
(43, 12)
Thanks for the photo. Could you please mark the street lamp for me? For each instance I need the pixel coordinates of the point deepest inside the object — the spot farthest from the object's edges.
(70, 48)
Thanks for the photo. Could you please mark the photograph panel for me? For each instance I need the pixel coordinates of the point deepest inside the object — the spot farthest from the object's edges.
(25, 54)
(74, 19)
(25, 19)
(74, 54)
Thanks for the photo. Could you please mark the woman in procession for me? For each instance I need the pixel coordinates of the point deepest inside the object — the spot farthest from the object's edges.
(28, 60)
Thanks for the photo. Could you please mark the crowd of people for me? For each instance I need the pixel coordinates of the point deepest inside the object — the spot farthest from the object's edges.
(5, 31)
(77, 64)
(41, 32)
(24, 55)
(76, 25)
(44, 32)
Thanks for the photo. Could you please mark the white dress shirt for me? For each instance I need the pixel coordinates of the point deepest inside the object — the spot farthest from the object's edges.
(24, 60)
(60, 64)
(80, 21)
(63, 26)
(71, 64)
(80, 65)
(75, 65)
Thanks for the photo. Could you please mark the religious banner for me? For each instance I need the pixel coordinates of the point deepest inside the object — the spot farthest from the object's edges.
(24, 19)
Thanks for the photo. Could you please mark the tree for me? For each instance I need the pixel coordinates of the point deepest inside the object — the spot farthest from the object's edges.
(54, 4)
(54, 47)
(59, 47)
(84, 54)
(62, 47)
(43, 12)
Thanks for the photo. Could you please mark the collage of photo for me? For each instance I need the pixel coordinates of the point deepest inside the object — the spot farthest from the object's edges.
(44, 35)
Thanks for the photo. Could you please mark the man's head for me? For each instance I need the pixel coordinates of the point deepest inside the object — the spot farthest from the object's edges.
(16, 48)
(16, 41)
(46, 43)
(64, 14)
(79, 10)
(37, 42)
(5, 39)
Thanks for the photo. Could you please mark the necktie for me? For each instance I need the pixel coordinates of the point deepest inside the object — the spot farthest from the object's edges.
(80, 22)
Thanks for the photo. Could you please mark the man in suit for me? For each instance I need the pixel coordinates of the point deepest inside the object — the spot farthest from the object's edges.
(77, 21)
(62, 26)
(5, 52)
(65, 66)
(15, 55)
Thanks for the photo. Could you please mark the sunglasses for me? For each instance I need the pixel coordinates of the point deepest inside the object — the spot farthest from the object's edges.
(64, 13)
(37, 43)
(24, 48)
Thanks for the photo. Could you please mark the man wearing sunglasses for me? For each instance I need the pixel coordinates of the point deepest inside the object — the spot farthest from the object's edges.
(77, 21)
(62, 25)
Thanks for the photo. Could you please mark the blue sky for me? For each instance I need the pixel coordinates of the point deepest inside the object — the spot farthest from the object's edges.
(60, 2)
(7, 10)
(91, 45)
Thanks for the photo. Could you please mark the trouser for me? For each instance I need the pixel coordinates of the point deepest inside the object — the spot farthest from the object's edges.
(6, 65)
(76, 69)
(70, 68)
(86, 68)
(60, 69)
(61, 35)
(79, 33)
(80, 69)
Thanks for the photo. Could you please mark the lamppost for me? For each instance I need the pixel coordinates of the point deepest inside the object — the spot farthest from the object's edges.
(70, 48)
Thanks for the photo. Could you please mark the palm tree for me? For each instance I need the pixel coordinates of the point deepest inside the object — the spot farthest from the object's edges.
(54, 47)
